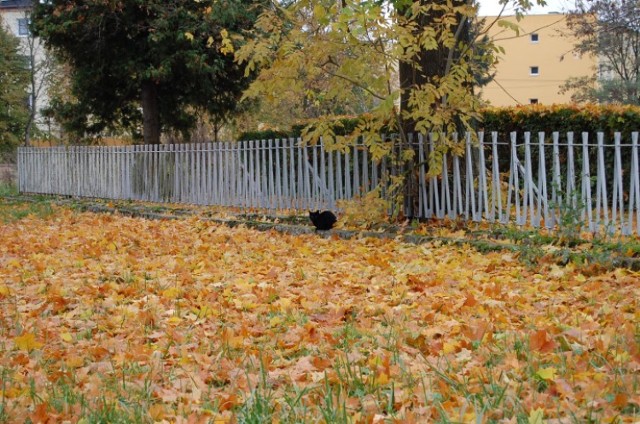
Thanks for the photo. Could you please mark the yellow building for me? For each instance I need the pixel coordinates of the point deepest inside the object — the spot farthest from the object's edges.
(536, 61)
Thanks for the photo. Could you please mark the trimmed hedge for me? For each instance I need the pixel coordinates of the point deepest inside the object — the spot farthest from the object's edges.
(533, 118)
(562, 118)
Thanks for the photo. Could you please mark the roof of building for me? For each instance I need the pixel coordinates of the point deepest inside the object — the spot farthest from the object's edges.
(15, 4)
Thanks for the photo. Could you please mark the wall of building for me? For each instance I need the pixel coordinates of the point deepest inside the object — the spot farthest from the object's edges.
(542, 45)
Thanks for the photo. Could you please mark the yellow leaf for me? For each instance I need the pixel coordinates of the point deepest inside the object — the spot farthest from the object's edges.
(171, 293)
(174, 320)
(27, 342)
(227, 45)
(547, 373)
(275, 321)
(236, 342)
(188, 36)
(449, 347)
(157, 412)
(381, 379)
(4, 290)
(537, 416)
(13, 263)
(67, 337)
(74, 361)
(622, 357)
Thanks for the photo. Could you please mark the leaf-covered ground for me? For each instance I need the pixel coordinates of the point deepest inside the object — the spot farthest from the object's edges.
(113, 319)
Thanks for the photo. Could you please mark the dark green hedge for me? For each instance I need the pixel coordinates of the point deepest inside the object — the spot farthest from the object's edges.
(562, 118)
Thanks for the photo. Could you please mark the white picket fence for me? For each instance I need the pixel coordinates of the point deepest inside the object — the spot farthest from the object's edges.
(537, 180)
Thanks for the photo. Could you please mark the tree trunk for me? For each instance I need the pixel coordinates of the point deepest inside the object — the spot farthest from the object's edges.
(150, 113)
(425, 67)
(427, 63)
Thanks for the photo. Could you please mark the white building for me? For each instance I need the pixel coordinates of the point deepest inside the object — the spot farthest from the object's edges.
(15, 17)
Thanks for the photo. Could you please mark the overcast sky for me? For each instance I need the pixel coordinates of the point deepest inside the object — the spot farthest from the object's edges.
(493, 7)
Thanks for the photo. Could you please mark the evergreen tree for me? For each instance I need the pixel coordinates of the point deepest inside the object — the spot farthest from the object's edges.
(170, 59)
(14, 80)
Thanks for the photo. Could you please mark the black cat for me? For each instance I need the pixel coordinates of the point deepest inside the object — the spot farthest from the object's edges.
(322, 220)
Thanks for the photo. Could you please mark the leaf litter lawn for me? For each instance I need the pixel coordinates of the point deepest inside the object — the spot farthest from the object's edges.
(105, 318)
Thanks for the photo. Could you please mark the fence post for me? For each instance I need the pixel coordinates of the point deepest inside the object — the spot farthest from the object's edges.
(542, 183)
(586, 182)
(634, 200)
(556, 186)
(470, 206)
(496, 190)
(483, 199)
(617, 200)
(422, 191)
(601, 188)
(432, 200)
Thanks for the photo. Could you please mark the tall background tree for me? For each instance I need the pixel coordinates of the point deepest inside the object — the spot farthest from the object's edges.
(172, 60)
(44, 73)
(14, 81)
(414, 60)
(609, 30)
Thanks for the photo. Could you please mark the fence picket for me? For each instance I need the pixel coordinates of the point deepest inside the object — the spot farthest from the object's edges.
(556, 185)
(433, 202)
(634, 184)
(601, 187)
(586, 183)
(496, 190)
(470, 207)
(422, 190)
(617, 202)
(483, 195)
(543, 203)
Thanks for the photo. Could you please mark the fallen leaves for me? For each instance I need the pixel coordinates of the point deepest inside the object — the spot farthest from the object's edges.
(27, 342)
(188, 321)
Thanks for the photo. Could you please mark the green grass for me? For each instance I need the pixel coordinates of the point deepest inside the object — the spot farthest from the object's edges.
(14, 209)
(8, 189)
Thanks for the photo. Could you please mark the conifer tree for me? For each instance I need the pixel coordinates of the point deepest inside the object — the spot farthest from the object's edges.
(154, 62)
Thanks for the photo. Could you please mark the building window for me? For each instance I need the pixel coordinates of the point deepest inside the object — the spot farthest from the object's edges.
(533, 101)
(23, 27)
(534, 71)
(534, 37)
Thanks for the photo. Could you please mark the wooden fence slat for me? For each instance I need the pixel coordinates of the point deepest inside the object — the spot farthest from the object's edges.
(514, 182)
(483, 195)
(496, 189)
(543, 202)
(433, 202)
(470, 204)
(601, 187)
(422, 189)
(264, 191)
(617, 201)
(356, 171)
(586, 182)
(556, 185)
(634, 183)
(316, 189)
(332, 180)
(528, 202)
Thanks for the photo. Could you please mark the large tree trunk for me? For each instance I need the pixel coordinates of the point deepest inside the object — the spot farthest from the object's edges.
(425, 67)
(427, 64)
(150, 113)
